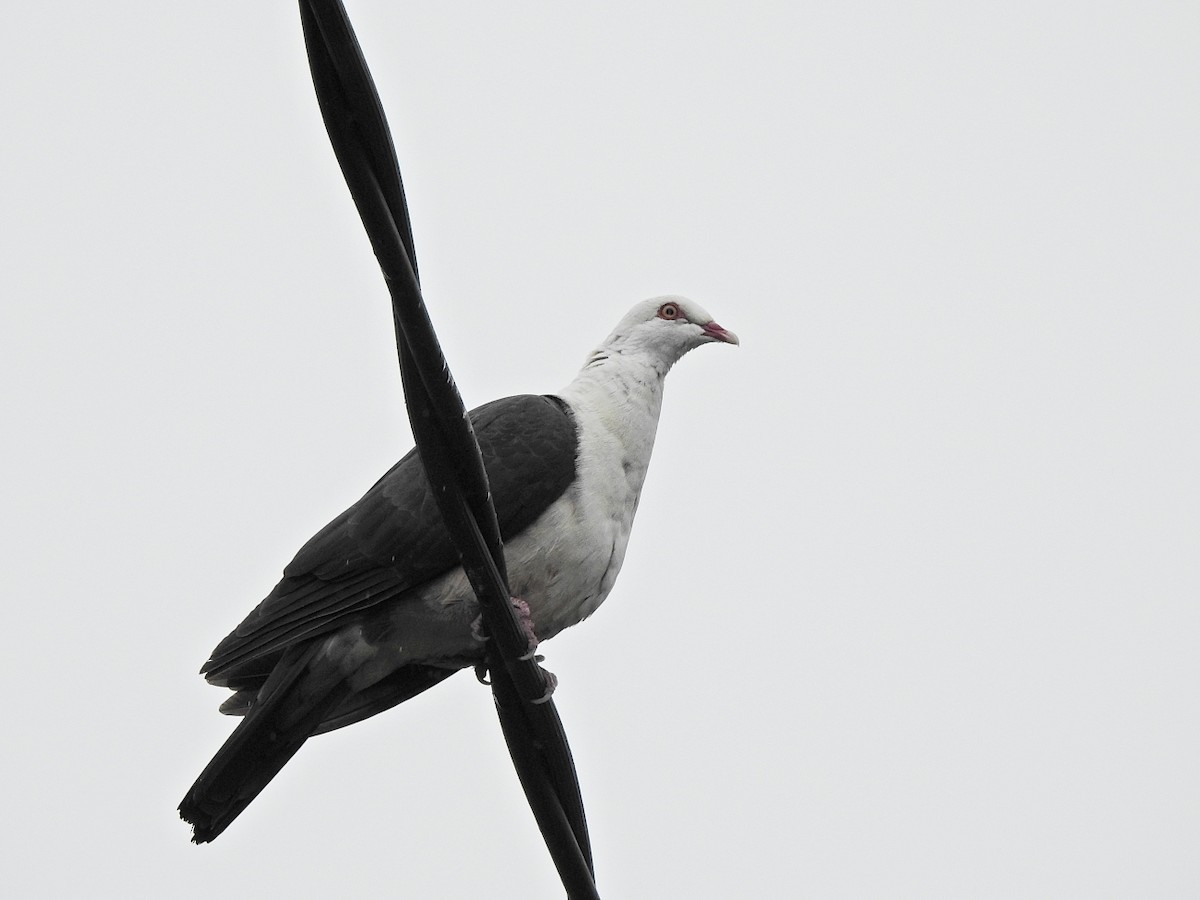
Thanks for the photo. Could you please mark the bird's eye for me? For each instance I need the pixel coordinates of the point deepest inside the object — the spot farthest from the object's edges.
(668, 311)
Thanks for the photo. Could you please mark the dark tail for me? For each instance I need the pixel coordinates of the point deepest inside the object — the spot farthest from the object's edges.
(291, 706)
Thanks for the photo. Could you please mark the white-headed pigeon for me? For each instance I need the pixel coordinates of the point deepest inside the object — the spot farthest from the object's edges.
(375, 608)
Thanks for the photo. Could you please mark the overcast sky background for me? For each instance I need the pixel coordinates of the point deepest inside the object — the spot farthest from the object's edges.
(912, 605)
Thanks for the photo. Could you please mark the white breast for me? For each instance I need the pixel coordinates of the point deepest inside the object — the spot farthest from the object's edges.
(565, 566)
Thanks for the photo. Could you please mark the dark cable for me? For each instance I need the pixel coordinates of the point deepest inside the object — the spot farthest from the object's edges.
(359, 133)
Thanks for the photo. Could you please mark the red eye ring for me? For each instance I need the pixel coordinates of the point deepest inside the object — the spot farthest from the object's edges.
(669, 311)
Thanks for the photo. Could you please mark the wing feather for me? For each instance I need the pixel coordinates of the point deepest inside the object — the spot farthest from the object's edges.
(393, 539)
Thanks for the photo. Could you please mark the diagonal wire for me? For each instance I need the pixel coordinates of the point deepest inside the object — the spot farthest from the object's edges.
(358, 130)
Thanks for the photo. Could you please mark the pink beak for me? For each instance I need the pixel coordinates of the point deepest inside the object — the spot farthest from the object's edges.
(717, 333)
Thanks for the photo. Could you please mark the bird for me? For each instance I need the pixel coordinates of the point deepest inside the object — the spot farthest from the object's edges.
(375, 608)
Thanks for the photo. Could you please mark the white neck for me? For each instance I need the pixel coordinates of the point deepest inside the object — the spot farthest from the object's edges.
(620, 393)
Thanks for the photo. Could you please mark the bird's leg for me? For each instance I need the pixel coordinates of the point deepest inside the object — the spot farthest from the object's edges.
(526, 619)
(524, 616)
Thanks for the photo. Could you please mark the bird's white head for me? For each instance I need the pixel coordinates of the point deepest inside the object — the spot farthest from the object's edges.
(663, 329)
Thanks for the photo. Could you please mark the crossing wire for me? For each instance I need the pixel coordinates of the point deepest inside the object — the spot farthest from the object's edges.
(358, 130)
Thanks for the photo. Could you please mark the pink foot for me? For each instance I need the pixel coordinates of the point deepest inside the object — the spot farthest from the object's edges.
(526, 617)
(479, 632)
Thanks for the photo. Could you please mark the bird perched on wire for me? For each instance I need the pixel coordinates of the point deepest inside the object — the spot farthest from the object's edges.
(375, 608)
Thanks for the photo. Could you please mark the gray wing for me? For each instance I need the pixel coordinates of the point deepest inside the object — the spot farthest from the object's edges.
(393, 539)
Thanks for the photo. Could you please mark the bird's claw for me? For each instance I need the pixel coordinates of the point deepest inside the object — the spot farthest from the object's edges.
(551, 681)
(524, 616)
(479, 633)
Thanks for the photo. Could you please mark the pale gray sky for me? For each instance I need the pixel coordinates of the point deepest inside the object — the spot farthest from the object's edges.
(912, 605)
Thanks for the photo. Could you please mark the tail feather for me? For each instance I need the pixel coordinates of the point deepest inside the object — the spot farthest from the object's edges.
(295, 700)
